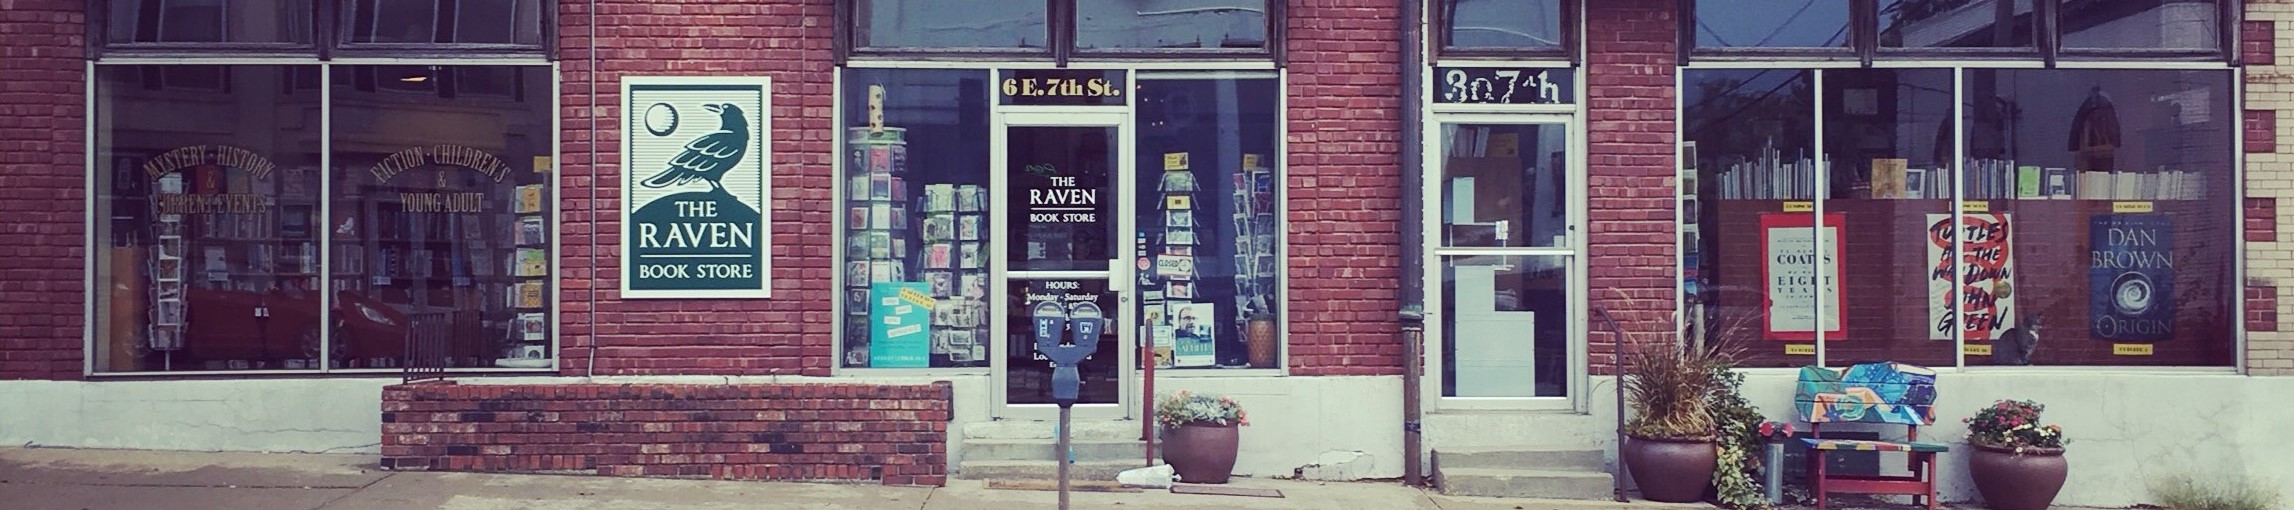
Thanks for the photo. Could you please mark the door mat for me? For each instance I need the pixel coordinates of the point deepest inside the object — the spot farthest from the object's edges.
(1053, 485)
(1222, 490)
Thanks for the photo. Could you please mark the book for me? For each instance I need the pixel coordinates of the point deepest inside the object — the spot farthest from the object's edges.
(533, 262)
(532, 231)
(2056, 183)
(528, 294)
(1888, 177)
(529, 199)
(2027, 182)
(532, 327)
(1915, 183)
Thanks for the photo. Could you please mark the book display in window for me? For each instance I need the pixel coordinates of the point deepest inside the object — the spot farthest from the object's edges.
(1182, 328)
(902, 232)
(1254, 258)
(527, 339)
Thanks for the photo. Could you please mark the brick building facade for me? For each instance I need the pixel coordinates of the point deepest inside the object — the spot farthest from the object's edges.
(777, 389)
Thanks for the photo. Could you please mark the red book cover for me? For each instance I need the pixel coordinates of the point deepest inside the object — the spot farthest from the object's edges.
(209, 179)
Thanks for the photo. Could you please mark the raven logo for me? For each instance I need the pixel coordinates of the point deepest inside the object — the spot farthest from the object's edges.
(709, 156)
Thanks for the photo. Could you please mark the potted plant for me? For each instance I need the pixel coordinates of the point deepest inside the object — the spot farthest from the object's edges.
(1669, 447)
(1199, 435)
(2017, 463)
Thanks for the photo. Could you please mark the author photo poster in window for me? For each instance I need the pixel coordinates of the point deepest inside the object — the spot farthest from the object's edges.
(1788, 243)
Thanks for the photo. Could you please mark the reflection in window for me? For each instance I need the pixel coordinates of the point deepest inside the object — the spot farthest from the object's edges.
(2189, 25)
(916, 211)
(209, 21)
(1508, 326)
(209, 258)
(1956, 24)
(1772, 24)
(1503, 24)
(2114, 184)
(516, 22)
(1210, 224)
(1749, 145)
(1111, 24)
(950, 24)
(1505, 185)
(441, 217)
(1888, 137)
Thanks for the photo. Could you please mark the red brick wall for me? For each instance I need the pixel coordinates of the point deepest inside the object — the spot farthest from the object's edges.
(1630, 197)
(788, 40)
(896, 434)
(42, 227)
(1345, 187)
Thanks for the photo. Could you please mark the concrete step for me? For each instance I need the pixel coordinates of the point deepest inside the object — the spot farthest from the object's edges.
(1048, 449)
(1523, 483)
(1041, 470)
(1559, 459)
(1080, 430)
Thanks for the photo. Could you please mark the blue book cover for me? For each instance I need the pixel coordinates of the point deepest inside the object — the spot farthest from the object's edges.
(900, 325)
(2131, 277)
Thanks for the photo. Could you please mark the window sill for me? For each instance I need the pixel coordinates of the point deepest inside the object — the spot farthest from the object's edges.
(357, 372)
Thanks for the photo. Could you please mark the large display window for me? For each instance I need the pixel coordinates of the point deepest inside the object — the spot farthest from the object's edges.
(2054, 217)
(1931, 29)
(239, 232)
(915, 188)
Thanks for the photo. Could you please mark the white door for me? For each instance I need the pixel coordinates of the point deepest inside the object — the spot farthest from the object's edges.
(1060, 176)
(1504, 266)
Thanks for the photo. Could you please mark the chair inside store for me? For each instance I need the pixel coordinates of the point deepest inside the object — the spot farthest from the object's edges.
(1885, 394)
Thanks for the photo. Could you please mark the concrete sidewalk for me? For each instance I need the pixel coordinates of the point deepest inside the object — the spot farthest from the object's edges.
(70, 479)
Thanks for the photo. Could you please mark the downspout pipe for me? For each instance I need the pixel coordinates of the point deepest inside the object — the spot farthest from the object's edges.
(1413, 296)
(591, 370)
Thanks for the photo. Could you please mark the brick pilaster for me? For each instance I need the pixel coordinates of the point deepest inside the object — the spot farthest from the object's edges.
(42, 188)
(1630, 173)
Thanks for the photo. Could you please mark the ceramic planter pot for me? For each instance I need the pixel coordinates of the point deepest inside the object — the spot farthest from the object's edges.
(2017, 481)
(1671, 470)
(1201, 452)
(1261, 339)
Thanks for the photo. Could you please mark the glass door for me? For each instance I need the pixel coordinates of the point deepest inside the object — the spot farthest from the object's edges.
(1065, 214)
(1505, 272)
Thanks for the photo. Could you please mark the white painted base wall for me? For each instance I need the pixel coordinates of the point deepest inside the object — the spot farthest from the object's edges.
(1318, 427)
(2127, 428)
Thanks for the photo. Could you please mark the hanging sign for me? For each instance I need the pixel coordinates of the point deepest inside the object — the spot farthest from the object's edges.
(1063, 87)
(1503, 85)
(694, 187)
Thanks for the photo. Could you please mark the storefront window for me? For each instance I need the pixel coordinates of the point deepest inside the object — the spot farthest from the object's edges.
(950, 24)
(1207, 188)
(441, 213)
(1749, 143)
(2124, 178)
(2086, 224)
(209, 21)
(1956, 24)
(1153, 24)
(207, 253)
(516, 22)
(1510, 24)
(2175, 25)
(1888, 141)
(915, 193)
(1772, 24)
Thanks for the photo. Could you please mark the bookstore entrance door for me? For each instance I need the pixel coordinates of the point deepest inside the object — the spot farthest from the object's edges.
(1059, 178)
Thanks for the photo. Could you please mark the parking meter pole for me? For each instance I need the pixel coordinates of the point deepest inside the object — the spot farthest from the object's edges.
(1062, 460)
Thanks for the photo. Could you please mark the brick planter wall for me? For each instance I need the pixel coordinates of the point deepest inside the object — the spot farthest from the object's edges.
(896, 434)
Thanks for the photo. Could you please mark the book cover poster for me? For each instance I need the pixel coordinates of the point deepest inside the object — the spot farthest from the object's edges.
(1789, 311)
(2131, 277)
(1971, 285)
(1191, 335)
(900, 325)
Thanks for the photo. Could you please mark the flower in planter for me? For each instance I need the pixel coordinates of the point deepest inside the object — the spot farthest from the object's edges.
(2013, 425)
(1186, 408)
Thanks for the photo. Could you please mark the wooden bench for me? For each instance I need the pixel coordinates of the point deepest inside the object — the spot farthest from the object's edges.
(1875, 393)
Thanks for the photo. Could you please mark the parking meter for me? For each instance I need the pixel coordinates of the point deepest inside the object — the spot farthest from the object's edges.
(1084, 324)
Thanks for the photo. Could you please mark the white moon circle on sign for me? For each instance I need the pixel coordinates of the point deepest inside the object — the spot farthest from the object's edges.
(661, 119)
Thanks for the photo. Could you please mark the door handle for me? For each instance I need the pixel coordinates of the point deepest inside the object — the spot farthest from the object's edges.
(1115, 281)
